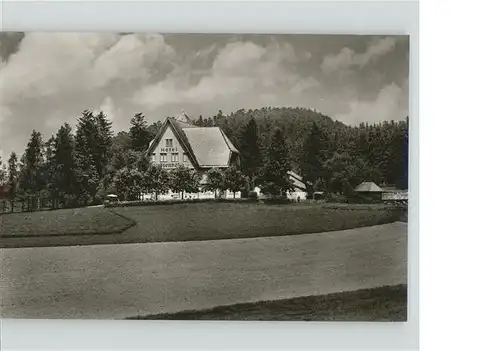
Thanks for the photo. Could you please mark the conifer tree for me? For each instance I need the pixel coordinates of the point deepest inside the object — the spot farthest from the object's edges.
(85, 149)
(139, 133)
(315, 151)
(48, 169)
(3, 172)
(64, 178)
(31, 177)
(12, 178)
(153, 129)
(275, 180)
(103, 146)
(251, 158)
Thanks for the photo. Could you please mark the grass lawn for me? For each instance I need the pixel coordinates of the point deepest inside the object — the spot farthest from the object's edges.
(212, 221)
(183, 222)
(388, 303)
(63, 222)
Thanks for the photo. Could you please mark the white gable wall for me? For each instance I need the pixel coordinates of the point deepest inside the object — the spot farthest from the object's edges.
(161, 149)
(166, 162)
(294, 195)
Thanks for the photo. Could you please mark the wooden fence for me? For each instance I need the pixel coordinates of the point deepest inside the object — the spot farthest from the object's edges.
(27, 205)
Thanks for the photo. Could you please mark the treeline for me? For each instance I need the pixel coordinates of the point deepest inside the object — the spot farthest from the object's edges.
(330, 155)
(78, 167)
(70, 169)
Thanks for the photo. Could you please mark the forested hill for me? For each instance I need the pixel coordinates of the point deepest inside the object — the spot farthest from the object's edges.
(295, 123)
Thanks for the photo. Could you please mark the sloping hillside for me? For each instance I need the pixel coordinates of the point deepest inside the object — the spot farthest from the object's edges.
(295, 122)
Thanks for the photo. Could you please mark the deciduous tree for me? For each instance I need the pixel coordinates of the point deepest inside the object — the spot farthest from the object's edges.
(183, 179)
(129, 183)
(234, 179)
(214, 181)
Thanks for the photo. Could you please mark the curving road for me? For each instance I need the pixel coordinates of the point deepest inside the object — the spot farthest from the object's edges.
(118, 281)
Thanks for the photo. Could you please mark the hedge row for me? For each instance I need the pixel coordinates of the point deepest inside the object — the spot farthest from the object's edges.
(355, 207)
(174, 202)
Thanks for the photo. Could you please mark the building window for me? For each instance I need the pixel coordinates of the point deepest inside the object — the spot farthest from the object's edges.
(163, 157)
(168, 143)
(184, 158)
(153, 157)
(175, 157)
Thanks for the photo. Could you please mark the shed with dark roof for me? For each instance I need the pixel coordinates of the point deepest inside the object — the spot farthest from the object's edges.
(369, 190)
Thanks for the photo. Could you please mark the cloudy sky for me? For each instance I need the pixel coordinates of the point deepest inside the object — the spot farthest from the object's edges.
(47, 79)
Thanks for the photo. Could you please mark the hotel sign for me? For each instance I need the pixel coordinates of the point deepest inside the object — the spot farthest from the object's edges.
(168, 149)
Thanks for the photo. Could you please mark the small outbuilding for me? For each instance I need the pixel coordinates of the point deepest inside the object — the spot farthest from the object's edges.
(369, 190)
(297, 193)
(111, 198)
(392, 194)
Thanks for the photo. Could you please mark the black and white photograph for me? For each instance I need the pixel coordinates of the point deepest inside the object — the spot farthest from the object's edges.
(245, 177)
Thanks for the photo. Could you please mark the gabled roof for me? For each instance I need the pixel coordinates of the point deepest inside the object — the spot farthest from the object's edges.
(206, 146)
(298, 184)
(368, 187)
(296, 180)
(229, 143)
(209, 146)
(294, 175)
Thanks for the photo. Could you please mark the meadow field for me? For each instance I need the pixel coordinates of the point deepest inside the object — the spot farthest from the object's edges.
(181, 222)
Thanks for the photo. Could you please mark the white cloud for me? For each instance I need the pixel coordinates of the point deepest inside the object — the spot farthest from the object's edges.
(347, 58)
(304, 85)
(108, 107)
(344, 59)
(48, 64)
(390, 104)
(378, 48)
(239, 68)
(130, 58)
(5, 114)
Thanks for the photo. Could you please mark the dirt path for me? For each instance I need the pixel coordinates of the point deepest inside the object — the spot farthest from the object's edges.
(118, 281)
